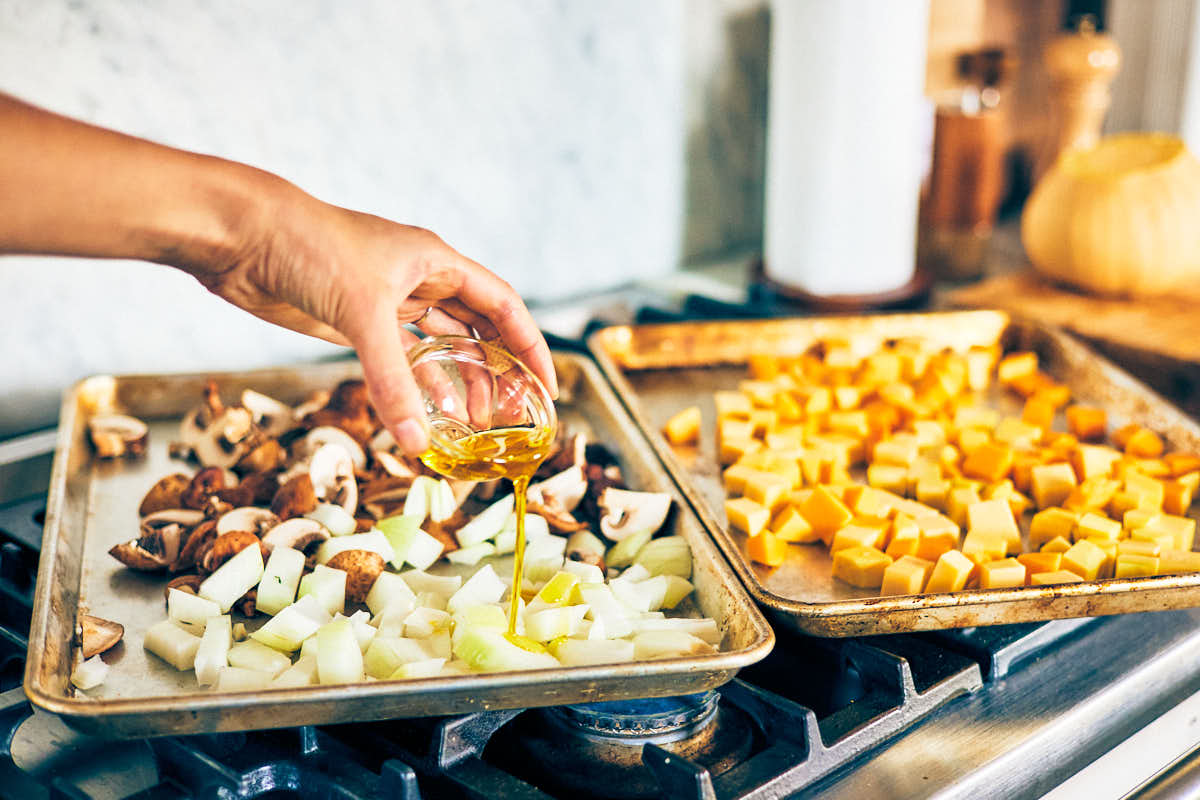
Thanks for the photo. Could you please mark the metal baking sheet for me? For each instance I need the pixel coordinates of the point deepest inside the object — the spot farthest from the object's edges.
(92, 505)
(660, 369)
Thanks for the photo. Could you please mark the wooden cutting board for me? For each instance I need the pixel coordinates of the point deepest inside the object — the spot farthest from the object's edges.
(1158, 340)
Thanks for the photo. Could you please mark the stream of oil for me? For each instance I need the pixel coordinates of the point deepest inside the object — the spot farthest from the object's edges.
(512, 453)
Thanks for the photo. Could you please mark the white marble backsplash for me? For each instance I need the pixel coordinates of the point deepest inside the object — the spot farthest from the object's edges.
(564, 144)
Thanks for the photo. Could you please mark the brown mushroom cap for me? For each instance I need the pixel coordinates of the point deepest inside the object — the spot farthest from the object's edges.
(97, 635)
(226, 546)
(184, 583)
(362, 567)
(204, 484)
(197, 545)
(164, 494)
(264, 457)
(116, 435)
(294, 498)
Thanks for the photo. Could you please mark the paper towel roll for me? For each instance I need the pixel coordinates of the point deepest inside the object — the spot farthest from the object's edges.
(844, 143)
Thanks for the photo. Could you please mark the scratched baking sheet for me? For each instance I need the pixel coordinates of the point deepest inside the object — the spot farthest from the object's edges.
(661, 369)
(92, 505)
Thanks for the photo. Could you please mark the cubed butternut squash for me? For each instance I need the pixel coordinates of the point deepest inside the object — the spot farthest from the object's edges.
(1052, 484)
(825, 512)
(1051, 523)
(1085, 559)
(1088, 423)
(766, 548)
(988, 462)
(746, 515)
(1052, 578)
(1001, 574)
(861, 566)
(684, 427)
(1133, 565)
(906, 575)
(950, 572)
(1039, 562)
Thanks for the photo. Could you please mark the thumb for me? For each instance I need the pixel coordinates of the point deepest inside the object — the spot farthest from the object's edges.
(382, 347)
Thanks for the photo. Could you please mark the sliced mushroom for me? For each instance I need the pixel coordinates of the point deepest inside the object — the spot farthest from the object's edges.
(626, 513)
(392, 465)
(382, 441)
(349, 410)
(331, 469)
(271, 416)
(362, 567)
(264, 457)
(559, 521)
(256, 489)
(218, 436)
(315, 402)
(562, 491)
(299, 534)
(197, 544)
(586, 547)
(226, 546)
(116, 435)
(247, 518)
(162, 536)
(572, 453)
(294, 498)
(204, 484)
(385, 490)
(165, 494)
(327, 434)
(184, 583)
(445, 531)
(97, 635)
(599, 479)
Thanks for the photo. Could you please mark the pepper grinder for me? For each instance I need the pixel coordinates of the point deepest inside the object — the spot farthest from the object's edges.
(1082, 66)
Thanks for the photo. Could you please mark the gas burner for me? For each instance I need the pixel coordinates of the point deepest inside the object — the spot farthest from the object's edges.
(595, 750)
(633, 722)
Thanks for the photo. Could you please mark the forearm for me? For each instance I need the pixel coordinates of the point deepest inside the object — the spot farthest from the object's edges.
(70, 188)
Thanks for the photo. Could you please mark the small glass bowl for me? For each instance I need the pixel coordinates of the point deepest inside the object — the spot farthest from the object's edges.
(472, 387)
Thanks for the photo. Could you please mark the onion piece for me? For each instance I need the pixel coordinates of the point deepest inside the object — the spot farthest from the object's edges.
(472, 554)
(429, 668)
(492, 651)
(190, 609)
(213, 653)
(551, 623)
(667, 555)
(327, 586)
(669, 644)
(623, 553)
(482, 588)
(242, 679)
(409, 543)
(389, 589)
(286, 631)
(339, 660)
(255, 655)
(487, 523)
(90, 673)
(583, 652)
(335, 519)
(302, 673)
(172, 644)
(422, 623)
(233, 579)
(373, 540)
(280, 580)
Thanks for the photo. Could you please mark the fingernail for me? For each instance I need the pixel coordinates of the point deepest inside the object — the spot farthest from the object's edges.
(410, 437)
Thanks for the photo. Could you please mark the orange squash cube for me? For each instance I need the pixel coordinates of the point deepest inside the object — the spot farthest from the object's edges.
(1038, 411)
(950, 572)
(938, 534)
(861, 566)
(766, 548)
(746, 515)
(1051, 523)
(825, 512)
(1052, 578)
(1039, 562)
(1122, 435)
(1177, 497)
(859, 535)
(684, 427)
(1182, 463)
(1171, 562)
(1135, 566)
(732, 405)
(905, 537)
(1002, 574)
(789, 525)
(1144, 443)
(906, 575)
(1016, 365)
(1085, 559)
(1058, 544)
(994, 518)
(988, 462)
(1052, 484)
(1054, 394)
(1087, 423)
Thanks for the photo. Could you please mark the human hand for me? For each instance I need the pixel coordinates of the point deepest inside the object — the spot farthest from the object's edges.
(353, 279)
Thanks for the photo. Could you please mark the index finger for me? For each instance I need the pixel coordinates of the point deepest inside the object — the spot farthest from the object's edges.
(487, 294)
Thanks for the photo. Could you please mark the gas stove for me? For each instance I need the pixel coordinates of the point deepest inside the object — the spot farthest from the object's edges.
(1074, 707)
